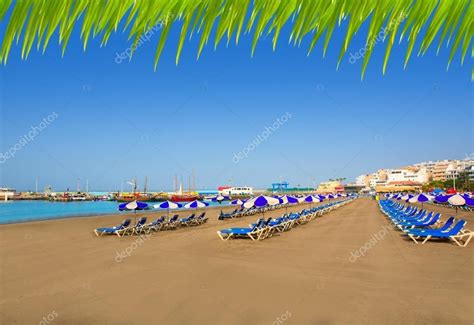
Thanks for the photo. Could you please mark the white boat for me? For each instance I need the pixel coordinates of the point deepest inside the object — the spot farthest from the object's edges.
(235, 190)
(79, 197)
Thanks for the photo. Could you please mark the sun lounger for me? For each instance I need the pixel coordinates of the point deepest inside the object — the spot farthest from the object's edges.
(223, 216)
(201, 219)
(139, 227)
(188, 221)
(457, 233)
(444, 227)
(422, 223)
(117, 230)
(156, 225)
(258, 232)
(173, 223)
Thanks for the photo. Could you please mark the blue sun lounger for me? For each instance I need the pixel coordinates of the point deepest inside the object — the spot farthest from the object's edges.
(188, 221)
(201, 219)
(156, 225)
(173, 223)
(223, 216)
(138, 228)
(279, 224)
(258, 232)
(117, 230)
(457, 234)
(422, 223)
(445, 227)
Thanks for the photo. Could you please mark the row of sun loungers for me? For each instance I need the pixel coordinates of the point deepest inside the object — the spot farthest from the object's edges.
(142, 227)
(421, 225)
(266, 228)
(243, 212)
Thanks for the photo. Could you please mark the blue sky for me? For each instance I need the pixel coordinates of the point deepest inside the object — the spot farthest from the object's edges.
(120, 121)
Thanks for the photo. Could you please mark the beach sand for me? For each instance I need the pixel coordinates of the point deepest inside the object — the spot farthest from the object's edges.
(61, 270)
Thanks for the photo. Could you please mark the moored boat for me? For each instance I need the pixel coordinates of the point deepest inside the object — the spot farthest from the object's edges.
(181, 196)
(129, 197)
(185, 197)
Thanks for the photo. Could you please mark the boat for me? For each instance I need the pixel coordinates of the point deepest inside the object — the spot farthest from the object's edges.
(63, 197)
(79, 197)
(129, 197)
(135, 195)
(185, 197)
(158, 197)
(180, 196)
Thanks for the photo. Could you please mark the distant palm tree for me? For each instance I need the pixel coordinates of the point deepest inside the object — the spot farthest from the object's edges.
(449, 22)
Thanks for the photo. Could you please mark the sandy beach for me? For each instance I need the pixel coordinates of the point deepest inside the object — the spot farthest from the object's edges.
(59, 270)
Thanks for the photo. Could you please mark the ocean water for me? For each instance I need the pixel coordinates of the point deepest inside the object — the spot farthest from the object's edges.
(22, 211)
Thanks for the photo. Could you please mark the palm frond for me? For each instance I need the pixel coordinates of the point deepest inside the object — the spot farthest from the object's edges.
(450, 21)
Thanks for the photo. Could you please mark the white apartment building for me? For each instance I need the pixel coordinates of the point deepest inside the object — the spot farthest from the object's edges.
(470, 172)
(410, 174)
(430, 165)
(452, 171)
(241, 190)
(362, 180)
(378, 179)
(6, 193)
(421, 173)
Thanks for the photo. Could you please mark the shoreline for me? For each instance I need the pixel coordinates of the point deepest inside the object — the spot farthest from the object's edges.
(100, 215)
(95, 214)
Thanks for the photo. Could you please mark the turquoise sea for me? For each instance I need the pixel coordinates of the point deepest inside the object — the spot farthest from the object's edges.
(22, 211)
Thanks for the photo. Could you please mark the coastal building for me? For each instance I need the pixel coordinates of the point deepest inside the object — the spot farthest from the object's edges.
(464, 166)
(431, 165)
(439, 171)
(354, 188)
(235, 190)
(378, 179)
(470, 173)
(412, 178)
(443, 170)
(408, 174)
(330, 187)
(399, 186)
(7, 193)
(453, 170)
(363, 180)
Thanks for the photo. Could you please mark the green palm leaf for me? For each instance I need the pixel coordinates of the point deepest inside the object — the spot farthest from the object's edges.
(448, 22)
